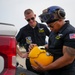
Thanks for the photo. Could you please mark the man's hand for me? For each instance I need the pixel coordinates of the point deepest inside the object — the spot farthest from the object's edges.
(31, 46)
(40, 67)
(46, 46)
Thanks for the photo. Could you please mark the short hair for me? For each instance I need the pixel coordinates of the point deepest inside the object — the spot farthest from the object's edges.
(28, 11)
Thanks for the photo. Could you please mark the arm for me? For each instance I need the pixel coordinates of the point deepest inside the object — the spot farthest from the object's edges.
(18, 51)
(19, 38)
(66, 59)
(23, 55)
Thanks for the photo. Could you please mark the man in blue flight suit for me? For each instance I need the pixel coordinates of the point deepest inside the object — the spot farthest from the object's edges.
(61, 42)
(33, 32)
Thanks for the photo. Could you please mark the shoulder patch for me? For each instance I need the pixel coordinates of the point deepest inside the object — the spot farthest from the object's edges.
(72, 36)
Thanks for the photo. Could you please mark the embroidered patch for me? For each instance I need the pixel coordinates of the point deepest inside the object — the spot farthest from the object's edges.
(58, 36)
(28, 40)
(72, 36)
(41, 30)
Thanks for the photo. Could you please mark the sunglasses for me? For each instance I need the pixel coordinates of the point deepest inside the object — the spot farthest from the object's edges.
(30, 19)
(51, 25)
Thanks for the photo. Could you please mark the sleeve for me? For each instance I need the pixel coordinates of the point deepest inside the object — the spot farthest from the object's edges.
(69, 40)
(47, 31)
(19, 36)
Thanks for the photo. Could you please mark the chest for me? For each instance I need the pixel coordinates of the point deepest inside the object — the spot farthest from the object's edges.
(34, 32)
(56, 40)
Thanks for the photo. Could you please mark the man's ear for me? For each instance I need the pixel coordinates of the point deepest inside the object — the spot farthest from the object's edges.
(35, 15)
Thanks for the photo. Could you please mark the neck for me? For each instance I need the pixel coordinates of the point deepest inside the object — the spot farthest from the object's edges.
(34, 25)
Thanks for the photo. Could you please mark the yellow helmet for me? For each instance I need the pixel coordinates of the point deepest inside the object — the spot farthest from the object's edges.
(41, 56)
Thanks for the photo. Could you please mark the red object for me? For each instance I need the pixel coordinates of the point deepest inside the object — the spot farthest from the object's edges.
(8, 52)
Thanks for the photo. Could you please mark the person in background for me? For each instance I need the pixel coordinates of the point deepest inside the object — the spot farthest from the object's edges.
(33, 32)
(61, 42)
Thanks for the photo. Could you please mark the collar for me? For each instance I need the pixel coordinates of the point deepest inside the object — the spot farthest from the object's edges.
(64, 26)
(37, 26)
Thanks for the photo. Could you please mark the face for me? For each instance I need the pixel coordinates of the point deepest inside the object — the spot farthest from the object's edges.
(31, 19)
(55, 26)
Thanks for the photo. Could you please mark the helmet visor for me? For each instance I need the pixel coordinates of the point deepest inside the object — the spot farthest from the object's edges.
(48, 18)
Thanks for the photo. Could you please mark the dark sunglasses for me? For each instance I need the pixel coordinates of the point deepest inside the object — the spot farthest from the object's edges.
(51, 25)
(30, 19)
